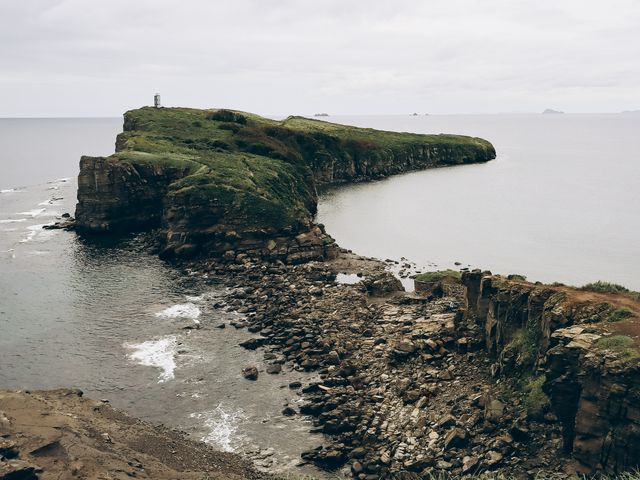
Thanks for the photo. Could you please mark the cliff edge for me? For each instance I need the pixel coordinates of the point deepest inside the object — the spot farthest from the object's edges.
(226, 182)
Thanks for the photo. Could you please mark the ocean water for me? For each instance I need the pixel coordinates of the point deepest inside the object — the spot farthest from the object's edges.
(560, 203)
(118, 323)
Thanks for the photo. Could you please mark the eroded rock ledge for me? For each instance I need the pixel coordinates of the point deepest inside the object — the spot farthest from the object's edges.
(573, 345)
(223, 182)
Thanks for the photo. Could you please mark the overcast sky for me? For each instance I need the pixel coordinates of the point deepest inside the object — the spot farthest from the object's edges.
(102, 57)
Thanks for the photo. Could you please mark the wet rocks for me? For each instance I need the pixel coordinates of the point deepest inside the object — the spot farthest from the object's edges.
(253, 343)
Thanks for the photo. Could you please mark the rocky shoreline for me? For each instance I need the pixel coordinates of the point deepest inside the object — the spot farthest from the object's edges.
(401, 391)
(408, 385)
(416, 385)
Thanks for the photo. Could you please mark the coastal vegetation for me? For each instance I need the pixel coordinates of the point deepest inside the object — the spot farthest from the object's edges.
(438, 275)
(199, 174)
(607, 287)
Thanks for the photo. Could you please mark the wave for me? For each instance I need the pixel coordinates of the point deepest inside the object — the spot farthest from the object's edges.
(181, 310)
(222, 423)
(33, 213)
(157, 353)
(348, 278)
(10, 220)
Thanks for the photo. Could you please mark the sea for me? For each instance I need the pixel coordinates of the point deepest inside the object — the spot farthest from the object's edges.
(560, 202)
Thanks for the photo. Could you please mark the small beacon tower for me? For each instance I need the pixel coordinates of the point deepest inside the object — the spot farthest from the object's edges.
(156, 100)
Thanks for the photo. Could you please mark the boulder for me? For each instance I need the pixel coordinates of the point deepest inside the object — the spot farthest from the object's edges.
(382, 284)
(250, 372)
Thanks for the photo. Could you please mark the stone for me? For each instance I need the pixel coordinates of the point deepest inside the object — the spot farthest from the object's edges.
(253, 343)
(494, 411)
(18, 470)
(288, 412)
(382, 284)
(456, 438)
(8, 449)
(274, 368)
(250, 372)
(446, 421)
(469, 463)
(493, 458)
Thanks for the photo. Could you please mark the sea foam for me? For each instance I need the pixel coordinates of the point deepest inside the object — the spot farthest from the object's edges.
(181, 310)
(32, 213)
(157, 353)
(222, 424)
(348, 278)
(10, 220)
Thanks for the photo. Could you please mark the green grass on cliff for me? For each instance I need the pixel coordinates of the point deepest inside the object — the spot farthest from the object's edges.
(607, 287)
(428, 277)
(623, 345)
(259, 171)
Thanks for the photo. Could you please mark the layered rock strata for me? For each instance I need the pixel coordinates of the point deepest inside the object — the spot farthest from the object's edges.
(589, 368)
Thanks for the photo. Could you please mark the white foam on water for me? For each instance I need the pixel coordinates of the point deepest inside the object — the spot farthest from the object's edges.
(37, 231)
(11, 190)
(348, 278)
(32, 213)
(10, 220)
(156, 353)
(181, 310)
(222, 423)
(51, 201)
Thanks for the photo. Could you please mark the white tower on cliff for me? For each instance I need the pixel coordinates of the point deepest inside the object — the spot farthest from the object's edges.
(156, 100)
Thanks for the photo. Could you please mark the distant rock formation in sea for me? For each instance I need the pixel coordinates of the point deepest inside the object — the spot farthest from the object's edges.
(631, 111)
(321, 115)
(551, 111)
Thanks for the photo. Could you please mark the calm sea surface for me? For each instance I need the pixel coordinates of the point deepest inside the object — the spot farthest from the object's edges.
(561, 202)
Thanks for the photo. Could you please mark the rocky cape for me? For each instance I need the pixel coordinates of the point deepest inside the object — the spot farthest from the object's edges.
(225, 182)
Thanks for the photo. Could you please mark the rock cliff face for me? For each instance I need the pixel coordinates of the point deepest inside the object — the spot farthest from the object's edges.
(118, 196)
(591, 373)
(222, 182)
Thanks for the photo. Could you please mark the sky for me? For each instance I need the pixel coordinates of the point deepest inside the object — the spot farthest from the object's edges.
(103, 57)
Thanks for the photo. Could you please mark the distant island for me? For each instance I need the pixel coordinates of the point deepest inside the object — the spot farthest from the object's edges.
(321, 115)
(551, 111)
(631, 111)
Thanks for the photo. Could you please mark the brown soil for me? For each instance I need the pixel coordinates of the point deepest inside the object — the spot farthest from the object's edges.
(64, 436)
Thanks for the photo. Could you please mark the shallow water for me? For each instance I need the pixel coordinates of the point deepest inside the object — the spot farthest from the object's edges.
(121, 324)
(560, 203)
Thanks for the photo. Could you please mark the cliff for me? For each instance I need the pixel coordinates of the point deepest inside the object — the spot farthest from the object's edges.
(578, 352)
(226, 182)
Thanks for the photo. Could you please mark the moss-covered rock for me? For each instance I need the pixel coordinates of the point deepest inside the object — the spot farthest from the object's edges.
(219, 180)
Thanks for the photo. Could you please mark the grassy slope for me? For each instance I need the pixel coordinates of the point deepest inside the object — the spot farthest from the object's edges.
(259, 168)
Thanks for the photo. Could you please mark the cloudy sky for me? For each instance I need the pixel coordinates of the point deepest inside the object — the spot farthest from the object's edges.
(101, 57)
